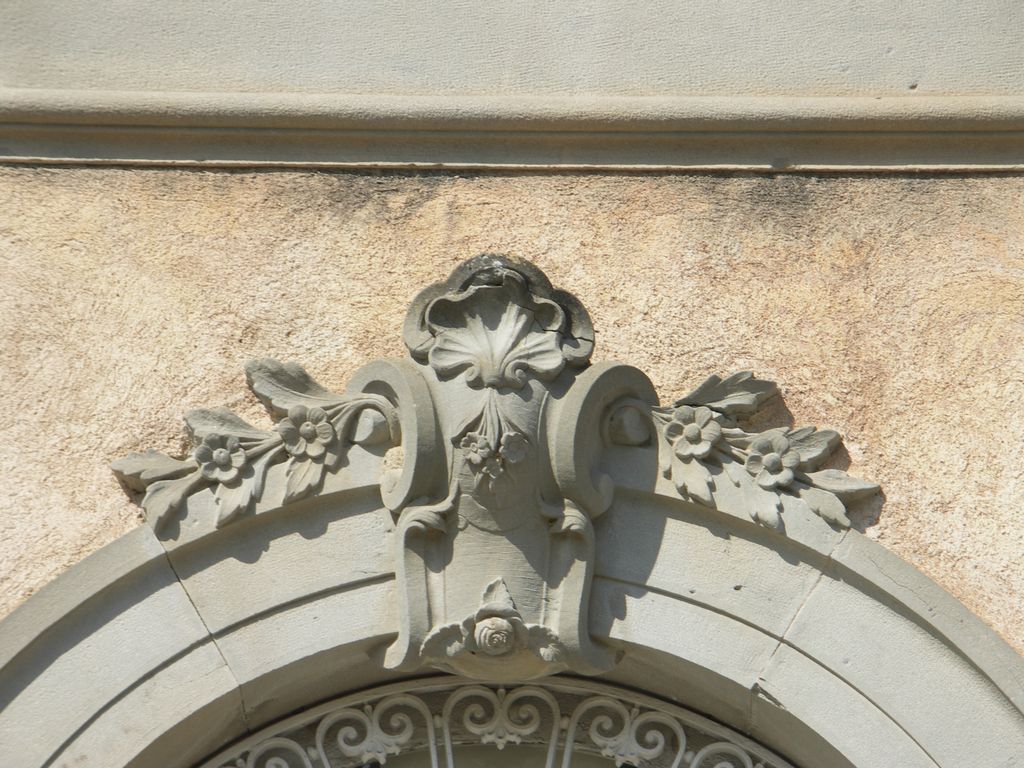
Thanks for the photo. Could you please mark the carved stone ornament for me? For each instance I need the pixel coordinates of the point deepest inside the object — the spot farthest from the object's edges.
(496, 446)
(543, 725)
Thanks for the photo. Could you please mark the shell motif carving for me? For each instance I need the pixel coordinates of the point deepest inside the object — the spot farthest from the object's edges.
(489, 446)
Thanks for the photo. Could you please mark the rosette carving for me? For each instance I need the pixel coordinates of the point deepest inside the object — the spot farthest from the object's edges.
(496, 631)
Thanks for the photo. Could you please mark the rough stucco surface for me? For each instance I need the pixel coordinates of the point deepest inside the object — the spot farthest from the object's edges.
(888, 308)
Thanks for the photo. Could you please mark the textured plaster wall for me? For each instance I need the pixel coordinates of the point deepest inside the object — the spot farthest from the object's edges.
(888, 308)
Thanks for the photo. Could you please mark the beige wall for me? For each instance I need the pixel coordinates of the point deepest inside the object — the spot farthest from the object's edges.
(889, 308)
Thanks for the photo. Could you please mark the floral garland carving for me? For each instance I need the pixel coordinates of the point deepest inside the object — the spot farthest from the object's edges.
(313, 433)
(504, 328)
(702, 447)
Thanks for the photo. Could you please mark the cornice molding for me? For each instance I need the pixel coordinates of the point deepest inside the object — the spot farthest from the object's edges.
(660, 85)
(776, 133)
(495, 445)
(630, 114)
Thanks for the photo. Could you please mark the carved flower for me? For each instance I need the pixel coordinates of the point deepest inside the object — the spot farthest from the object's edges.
(220, 458)
(495, 636)
(693, 432)
(499, 634)
(772, 461)
(477, 447)
(497, 628)
(306, 431)
(496, 333)
(513, 447)
(489, 461)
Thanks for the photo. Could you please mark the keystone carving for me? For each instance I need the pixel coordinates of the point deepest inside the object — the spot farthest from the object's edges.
(491, 447)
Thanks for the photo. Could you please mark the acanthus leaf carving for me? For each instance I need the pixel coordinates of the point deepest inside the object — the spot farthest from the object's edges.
(164, 497)
(492, 443)
(841, 485)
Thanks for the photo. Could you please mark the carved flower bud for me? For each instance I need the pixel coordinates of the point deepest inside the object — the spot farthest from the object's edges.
(495, 636)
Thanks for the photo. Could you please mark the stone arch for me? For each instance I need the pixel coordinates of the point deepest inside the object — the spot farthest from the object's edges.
(275, 576)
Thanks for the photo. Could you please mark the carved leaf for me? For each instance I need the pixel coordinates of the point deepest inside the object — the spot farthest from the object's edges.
(813, 445)
(233, 500)
(842, 485)
(737, 438)
(221, 421)
(304, 477)
(497, 592)
(544, 643)
(735, 471)
(371, 428)
(279, 386)
(164, 497)
(692, 478)
(738, 395)
(444, 642)
(762, 506)
(825, 505)
(138, 470)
